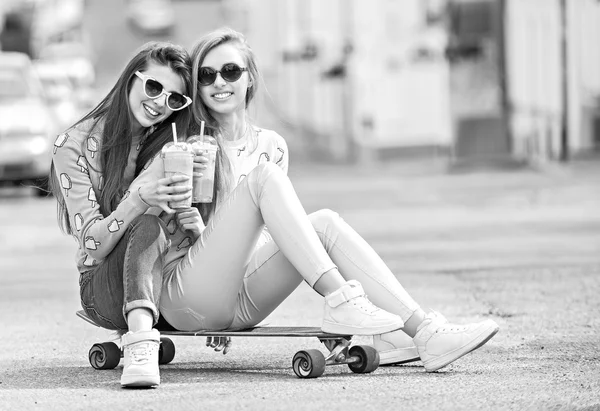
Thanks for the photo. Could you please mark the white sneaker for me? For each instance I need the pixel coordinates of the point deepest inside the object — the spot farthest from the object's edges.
(440, 343)
(348, 311)
(140, 355)
(395, 347)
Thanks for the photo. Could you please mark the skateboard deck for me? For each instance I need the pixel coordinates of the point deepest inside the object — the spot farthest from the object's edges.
(262, 331)
(306, 364)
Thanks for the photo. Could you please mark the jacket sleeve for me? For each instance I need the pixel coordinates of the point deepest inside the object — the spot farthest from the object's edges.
(97, 235)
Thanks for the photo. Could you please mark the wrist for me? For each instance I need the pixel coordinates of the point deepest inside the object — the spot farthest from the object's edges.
(141, 197)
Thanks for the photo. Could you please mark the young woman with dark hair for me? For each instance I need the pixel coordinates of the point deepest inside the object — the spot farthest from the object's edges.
(103, 203)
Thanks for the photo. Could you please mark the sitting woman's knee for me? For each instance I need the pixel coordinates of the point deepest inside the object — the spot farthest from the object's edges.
(152, 226)
(324, 218)
(266, 172)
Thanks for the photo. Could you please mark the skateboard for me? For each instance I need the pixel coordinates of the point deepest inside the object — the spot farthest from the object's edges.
(311, 363)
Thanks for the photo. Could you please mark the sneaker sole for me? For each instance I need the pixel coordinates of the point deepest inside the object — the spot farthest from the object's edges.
(140, 381)
(335, 328)
(398, 356)
(474, 344)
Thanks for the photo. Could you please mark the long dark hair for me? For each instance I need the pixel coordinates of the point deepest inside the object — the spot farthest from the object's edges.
(113, 119)
(201, 113)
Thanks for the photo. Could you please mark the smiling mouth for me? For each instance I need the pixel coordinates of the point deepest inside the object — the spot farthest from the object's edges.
(151, 111)
(222, 96)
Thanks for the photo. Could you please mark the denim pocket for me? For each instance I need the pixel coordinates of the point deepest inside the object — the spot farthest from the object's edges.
(84, 279)
(100, 320)
(86, 294)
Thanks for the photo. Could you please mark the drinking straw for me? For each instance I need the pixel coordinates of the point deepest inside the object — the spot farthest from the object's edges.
(202, 130)
(174, 132)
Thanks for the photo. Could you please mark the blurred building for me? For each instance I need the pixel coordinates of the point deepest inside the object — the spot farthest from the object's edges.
(477, 84)
(16, 26)
(476, 80)
(52, 34)
(352, 77)
(29, 25)
(553, 77)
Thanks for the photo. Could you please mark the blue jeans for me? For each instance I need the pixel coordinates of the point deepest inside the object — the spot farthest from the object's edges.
(129, 277)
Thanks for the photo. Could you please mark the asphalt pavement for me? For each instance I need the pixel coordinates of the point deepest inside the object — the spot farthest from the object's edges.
(521, 247)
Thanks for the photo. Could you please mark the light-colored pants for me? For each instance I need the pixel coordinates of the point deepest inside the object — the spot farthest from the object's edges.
(235, 275)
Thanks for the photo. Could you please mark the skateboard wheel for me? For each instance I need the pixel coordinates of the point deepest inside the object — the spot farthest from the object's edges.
(368, 359)
(104, 356)
(166, 351)
(309, 364)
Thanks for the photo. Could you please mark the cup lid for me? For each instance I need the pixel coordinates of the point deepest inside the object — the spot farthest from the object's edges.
(202, 139)
(180, 146)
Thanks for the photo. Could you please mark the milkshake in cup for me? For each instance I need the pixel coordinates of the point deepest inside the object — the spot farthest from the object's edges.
(178, 158)
(204, 181)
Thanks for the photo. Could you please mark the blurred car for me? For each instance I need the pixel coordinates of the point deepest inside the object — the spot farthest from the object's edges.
(76, 60)
(151, 16)
(27, 125)
(60, 93)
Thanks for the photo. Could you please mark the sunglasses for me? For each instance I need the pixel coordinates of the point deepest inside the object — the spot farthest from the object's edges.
(153, 89)
(230, 72)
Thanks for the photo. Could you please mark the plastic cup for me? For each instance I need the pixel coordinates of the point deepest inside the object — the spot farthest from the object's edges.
(178, 159)
(204, 181)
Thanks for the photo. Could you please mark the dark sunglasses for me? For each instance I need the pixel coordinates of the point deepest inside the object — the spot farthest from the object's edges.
(230, 72)
(153, 89)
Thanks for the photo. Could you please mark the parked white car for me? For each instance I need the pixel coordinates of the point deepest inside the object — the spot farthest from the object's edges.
(27, 124)
(75, 59)
(60, 92)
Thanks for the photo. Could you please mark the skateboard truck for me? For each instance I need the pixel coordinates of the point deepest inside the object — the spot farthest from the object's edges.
(361, 359)
(337, 348)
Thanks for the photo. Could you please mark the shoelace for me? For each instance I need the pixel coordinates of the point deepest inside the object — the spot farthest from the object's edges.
(447, 326)
(364, 304)
(140, 353)
(453, 328)
(436, 318)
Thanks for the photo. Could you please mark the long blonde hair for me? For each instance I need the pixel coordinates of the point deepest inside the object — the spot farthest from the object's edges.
(200, 112)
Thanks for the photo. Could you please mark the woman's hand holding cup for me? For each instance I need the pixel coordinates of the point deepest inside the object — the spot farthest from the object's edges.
(200, 162)
(166, 190)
